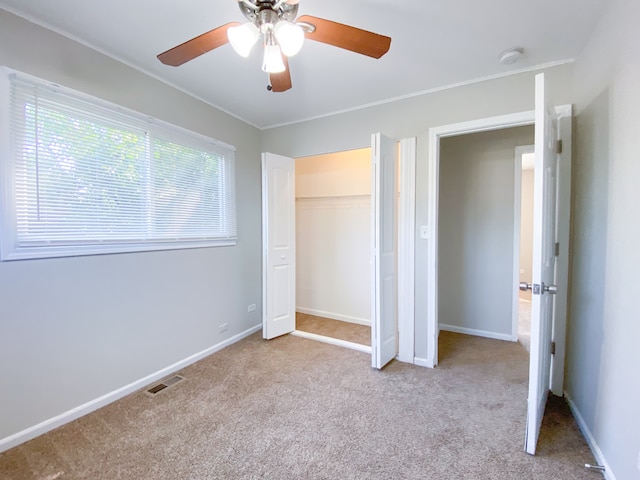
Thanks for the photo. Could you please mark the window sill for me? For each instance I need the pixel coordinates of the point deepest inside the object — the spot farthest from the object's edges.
(37, 252)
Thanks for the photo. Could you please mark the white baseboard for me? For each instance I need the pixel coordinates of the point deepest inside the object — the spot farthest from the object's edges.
(422, 362)
(332, 341)
(334, 316)
(478, 333)
(77, 412)
(593, 445)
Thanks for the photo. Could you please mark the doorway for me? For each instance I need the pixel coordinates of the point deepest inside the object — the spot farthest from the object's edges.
(476, 257)
(392, 256)
(333, 231)
(551, 199)
(523, 242)
(436, 134)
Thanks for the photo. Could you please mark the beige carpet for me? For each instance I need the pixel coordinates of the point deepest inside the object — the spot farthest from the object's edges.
(350, 332)
(292, 408)
(524, 323)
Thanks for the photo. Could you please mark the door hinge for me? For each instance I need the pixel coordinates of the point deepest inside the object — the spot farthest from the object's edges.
(559, 146)
(553, 348)
(557, 249)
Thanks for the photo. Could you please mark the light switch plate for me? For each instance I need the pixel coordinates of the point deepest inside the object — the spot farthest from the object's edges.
(424, 232)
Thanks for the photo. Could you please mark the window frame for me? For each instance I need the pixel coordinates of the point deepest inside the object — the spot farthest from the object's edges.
(9, 247)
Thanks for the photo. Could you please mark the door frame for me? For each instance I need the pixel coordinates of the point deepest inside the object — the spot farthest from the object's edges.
(517, 224)
(564, 113)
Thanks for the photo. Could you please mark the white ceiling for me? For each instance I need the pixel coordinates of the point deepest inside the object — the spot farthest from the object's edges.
(435, 43)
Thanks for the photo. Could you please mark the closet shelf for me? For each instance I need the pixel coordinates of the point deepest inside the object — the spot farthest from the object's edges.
(330, 197)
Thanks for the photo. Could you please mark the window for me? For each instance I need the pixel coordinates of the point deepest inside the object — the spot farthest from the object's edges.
(81, 176)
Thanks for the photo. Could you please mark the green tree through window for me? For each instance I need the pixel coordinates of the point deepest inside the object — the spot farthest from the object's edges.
(86, 174)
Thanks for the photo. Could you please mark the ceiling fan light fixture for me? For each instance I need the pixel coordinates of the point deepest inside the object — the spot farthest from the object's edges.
(290, 37)
(243, 37)
(276, 22)
(272, 62)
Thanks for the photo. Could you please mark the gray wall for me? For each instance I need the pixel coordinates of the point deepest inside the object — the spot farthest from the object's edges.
(476, 230)
(73, 329)
(413, 117)
(603, 353)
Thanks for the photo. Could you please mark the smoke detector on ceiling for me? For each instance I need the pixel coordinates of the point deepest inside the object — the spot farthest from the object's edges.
(511, 56)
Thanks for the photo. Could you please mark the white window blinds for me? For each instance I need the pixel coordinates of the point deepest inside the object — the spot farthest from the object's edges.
(83, 177)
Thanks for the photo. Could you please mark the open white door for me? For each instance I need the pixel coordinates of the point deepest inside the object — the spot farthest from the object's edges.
(544, 261)
(384, 311)
(278, 240)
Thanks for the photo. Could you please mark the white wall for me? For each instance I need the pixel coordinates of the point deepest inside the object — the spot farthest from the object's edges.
(333, 228)
(604, 329)
(476, 230)
(526, 226)
(74, 329)
(413, 117)
(334, 174)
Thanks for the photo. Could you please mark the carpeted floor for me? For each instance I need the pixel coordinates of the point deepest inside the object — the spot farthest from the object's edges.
(350, 332)
(291, 408)
(524, 323)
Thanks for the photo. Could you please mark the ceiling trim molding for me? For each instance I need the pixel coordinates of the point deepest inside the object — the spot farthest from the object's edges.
(450, 86)
(64, 33)
(137, 68)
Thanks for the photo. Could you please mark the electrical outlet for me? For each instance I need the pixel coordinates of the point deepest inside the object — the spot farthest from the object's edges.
(223, 328)
(251, 308)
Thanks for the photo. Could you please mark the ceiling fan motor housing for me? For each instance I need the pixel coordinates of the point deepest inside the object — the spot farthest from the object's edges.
(265, 12)
(267, 18)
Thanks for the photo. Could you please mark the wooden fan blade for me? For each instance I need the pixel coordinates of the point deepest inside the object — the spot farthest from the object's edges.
(347, 37)
(196, 46)
(281, 82)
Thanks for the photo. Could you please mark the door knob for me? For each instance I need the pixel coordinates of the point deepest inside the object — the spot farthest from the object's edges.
(551, 289)
(524, 286)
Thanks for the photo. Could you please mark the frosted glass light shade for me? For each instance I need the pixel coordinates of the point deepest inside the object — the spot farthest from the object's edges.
(243, 37)
(290, 37)
(272, 62)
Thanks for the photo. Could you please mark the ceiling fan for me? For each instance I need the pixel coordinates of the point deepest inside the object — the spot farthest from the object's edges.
(282, 37)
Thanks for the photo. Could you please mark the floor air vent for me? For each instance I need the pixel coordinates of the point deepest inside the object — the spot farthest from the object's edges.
(169, 382)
